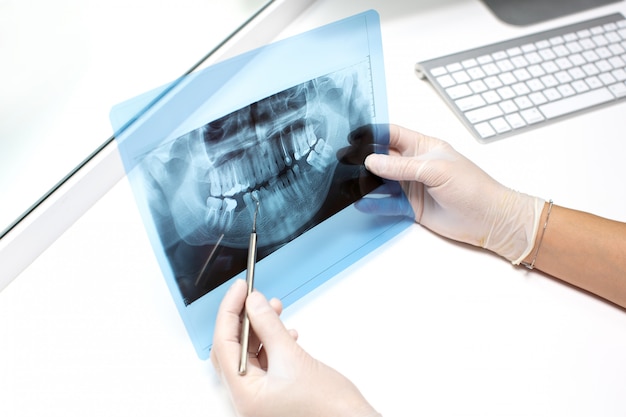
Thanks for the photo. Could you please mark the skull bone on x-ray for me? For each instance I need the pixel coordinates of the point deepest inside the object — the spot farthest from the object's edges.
(282, 148)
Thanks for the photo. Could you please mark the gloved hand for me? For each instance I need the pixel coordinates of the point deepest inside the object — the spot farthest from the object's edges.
(453, 197)
(283, 380)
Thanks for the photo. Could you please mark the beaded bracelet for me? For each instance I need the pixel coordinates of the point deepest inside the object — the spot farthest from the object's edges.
(543, 231)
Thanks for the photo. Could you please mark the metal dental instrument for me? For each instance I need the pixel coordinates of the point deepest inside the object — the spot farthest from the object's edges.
(245, 324)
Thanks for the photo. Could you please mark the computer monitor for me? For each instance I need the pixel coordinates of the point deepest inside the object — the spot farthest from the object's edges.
(526, 12)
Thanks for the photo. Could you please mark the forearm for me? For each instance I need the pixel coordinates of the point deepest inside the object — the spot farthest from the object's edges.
(584, 250)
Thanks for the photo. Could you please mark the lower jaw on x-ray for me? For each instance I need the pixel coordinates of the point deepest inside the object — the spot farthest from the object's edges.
(285, 150)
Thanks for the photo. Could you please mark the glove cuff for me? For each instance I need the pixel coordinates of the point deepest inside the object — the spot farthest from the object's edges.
(514, 230)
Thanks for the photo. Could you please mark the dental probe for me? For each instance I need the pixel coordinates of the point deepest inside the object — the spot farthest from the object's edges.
(245, 324)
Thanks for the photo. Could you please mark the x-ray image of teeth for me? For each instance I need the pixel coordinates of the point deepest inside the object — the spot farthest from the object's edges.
(283, 149)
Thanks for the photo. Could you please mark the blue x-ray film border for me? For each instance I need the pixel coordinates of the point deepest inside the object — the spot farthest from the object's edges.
(320, 253)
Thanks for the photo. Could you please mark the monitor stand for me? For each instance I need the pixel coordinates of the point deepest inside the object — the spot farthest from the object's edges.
(526, 12)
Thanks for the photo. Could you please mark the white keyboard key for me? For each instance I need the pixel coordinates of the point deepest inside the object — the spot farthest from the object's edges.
(532, 116)
(436, 72)
(483, 114)
(493, 82)
(617, 62)
(574, 47)
(597, 30)
(535, 85)
(587, 44)
(515, 120)
(533, 58)
(478, 86)
(619, 74)
(549, 81)
(470, 103)
(491, 97)
(458, 91)
(607, 79)
(613, 37)
(580, 86)
(505, 65)
(500, 125)
(575, 103)
(600, 40)
(484, 130)
(520, 89)
(594, 82)
(576, 73)
(476, 73)
(461, 77)
(616, 49)
(537, 98)
(536, 71)
(547, 54)
(483, 59)
(523, 102)
(560, 50)
(566, 90)
(491, 69)
(552, 94)
(590, 69)
(563, 77)
(498, 55)
(469, 63)
(508, 106)
(604, 53)
(618, 89)
(521, 74)
(507, 78)
(446, 81)
(542, 44)
(577, 60)
(550, 67)
(570, 37)
(564, 63)
(454, 67)
(506, 92)
(604, 66)
(590, 56)
(519, 61)
(515, 51)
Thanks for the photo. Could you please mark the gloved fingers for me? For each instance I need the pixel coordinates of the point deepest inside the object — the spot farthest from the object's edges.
(226, 347)
(387, 206)
(388, 188)
(267, 326)
(255, 345)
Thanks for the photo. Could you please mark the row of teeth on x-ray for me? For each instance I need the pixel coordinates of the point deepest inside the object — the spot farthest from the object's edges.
(272, 169)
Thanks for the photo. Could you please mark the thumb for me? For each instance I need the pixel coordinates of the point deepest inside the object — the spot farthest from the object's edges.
(266, 323)
(392, 167)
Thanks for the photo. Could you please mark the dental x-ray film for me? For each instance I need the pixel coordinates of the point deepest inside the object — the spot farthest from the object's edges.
(288, 125)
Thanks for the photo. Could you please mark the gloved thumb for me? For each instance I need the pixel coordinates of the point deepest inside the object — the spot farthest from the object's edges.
(392, 167)
(266, 324)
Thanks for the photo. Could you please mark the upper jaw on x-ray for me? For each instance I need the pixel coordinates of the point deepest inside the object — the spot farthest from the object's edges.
(282, 149)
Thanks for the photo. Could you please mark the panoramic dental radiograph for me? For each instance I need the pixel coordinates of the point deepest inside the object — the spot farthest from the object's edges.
(285, 150)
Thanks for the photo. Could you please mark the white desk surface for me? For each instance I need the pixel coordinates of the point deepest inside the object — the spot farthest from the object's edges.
(89, 328)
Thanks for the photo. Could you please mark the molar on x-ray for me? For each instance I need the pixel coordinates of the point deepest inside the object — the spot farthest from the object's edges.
(284, 149)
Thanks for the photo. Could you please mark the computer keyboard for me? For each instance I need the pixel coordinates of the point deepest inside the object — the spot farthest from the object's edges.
(512, 86)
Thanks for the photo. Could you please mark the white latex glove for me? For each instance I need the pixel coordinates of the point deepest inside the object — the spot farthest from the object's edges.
(283, 380)
(453, 197)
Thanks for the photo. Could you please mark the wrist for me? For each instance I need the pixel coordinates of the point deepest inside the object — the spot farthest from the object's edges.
(531, 258)
(513, 233)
